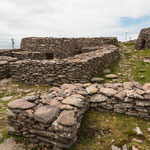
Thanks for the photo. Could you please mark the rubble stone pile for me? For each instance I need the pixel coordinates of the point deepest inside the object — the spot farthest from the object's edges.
(54, 118)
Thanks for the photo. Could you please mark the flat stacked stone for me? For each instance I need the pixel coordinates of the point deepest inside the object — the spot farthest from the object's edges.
(79, 68)
(5, 66)
(55, 117)
(52, 119)
(129, 97)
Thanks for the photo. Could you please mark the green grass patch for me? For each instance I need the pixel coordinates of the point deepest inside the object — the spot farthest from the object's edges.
(129, 43)
(99, 130)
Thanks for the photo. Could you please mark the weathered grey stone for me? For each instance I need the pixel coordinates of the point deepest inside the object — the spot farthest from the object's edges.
(91, 90)
(68, 86)
(143, 41)
(135, 96)
(67, 118)
(143, 103)
(115, 148)
(146, 86)
(47, 114)
(108, 91)
(8, 98)
(121, 95)
(65, 107)
(98, 98)
(74, 101)
(106, 71)
(128, 85)
(140, 92)
(20, 104)
(96, 79)
(138, 131)
(111, 76)
(147, 96)
(10, 144)
(31, 98)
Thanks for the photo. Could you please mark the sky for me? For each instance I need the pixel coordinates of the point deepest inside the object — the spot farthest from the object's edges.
(71, 18)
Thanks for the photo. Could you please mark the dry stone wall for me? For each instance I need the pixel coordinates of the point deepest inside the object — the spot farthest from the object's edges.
(22, 54)
(64, 47)
(80, 68)
(143, 41)
(5, 66)
(54, 118)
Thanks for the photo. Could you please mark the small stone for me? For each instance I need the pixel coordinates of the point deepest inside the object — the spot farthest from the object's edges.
(141, 92)
(31, 98)
(10, 144)
(138, 131)
(68, 86)
(98, 98)
(67, 118)
(128, 85)
(146, 86)
(97, 80)
(3, 62)
(108, 91)
(74, 101)
(47, 114)
(134, 148)
(65, 107)
(55, 102)
(115, 148)
(106, 71)
(20, 104)
(27, 91)
(136, 140)
(125, 147)
(86, 85)
(121, 95)
(91, 90)
(8, 98)
(111, 76)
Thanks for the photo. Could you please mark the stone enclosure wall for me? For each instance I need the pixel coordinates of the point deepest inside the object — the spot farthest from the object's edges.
(80, 68)
(54, 118)
(143, 41)
(5, 66)
(64, 60)
(64, 47)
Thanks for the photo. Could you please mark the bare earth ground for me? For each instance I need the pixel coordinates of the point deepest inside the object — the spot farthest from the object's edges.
(99, 130)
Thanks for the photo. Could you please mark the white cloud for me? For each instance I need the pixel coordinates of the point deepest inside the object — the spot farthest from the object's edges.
(69, 18)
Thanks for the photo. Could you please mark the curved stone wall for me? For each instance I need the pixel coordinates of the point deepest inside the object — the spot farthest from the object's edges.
(80, 68)
(54, 118)
(64, 47)
(5, 66)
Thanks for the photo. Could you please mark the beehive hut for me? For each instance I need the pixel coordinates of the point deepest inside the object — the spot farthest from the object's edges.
(143, 41)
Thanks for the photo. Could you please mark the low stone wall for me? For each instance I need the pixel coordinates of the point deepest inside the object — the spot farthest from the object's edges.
(22, 54)
(80, 68)
(54, 118)
(64, 47)
(49, 118)
(8, 52)
(5, 66)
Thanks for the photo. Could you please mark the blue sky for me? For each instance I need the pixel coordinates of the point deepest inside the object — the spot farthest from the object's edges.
(71, 18)
(127, 21)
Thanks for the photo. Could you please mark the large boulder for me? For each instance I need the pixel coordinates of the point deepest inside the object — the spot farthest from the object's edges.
(143, 41)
